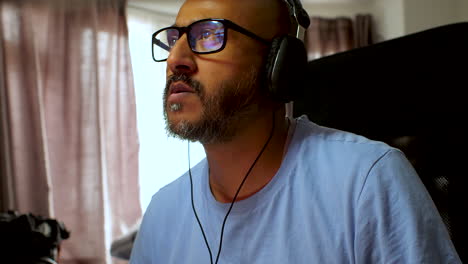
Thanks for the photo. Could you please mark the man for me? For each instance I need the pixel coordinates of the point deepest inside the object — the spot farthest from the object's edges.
(303, 193)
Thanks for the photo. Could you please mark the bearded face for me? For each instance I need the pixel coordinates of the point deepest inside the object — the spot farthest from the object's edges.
(220, 112)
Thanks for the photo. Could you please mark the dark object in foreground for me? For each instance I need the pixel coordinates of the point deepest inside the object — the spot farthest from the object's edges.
(30, 239)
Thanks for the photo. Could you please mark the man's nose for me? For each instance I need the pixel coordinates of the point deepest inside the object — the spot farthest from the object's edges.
(181, 58)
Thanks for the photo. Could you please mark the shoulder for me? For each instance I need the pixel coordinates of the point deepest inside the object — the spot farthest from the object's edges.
(349, 165)
(170, 203)
(316, 135)
(170, 195)
(393, 203)
(334, 164)
(328, 147)
(166, 216)
(394, 216)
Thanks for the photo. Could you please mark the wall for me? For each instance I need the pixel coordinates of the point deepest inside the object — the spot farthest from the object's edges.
(462, 10)
(388, 14)
(424, 14)
(389, 18)
(395, 18)
(338, 9)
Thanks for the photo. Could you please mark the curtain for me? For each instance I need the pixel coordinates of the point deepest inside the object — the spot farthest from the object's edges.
(326, 36)
(363, 31)
(69, 144)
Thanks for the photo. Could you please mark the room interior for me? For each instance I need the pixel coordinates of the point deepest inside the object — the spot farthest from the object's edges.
(414, 70)
(405, 68)
(390, 19)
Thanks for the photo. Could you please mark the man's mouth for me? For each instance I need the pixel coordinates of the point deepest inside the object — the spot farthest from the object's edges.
(180, 87)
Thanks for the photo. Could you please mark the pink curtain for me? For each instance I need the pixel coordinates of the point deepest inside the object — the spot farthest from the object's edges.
(327, 36)
(69, 145)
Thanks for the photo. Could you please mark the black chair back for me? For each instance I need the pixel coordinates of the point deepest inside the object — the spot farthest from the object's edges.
(411, 93)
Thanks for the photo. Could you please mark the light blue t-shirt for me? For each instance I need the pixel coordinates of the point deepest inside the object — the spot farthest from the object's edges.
(337, 198)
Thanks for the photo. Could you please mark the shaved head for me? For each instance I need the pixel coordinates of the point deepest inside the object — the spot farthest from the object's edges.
(267, 18)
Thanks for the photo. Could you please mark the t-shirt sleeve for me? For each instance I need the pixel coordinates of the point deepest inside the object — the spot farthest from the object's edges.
(396, 219)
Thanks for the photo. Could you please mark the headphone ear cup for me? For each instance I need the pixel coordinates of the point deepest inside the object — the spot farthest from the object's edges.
(286, 68)
(270, 65)
(273, 52)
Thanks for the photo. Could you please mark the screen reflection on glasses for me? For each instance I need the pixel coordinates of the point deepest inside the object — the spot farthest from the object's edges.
(204, 36)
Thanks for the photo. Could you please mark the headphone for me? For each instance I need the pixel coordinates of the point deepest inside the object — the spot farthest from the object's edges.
(286, 62)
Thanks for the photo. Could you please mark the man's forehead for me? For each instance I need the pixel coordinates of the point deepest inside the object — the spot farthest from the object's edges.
(240, 11)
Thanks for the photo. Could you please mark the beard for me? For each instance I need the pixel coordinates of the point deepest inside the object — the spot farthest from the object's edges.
(222, 112)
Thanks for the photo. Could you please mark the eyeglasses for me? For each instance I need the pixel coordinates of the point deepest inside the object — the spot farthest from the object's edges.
(204, 36)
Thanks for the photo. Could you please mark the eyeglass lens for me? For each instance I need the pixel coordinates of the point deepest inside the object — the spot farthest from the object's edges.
(204, 37)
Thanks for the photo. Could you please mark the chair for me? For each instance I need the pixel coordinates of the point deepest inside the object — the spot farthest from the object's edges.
(410, 93)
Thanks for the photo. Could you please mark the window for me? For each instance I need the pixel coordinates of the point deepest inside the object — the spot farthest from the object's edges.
(162, 158)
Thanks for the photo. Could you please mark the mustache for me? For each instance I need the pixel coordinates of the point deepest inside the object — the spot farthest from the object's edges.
(181, 77)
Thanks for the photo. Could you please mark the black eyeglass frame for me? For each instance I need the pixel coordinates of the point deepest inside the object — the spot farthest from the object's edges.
(226, 23)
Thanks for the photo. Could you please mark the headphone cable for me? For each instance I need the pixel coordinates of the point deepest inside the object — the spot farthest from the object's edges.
(233, 200)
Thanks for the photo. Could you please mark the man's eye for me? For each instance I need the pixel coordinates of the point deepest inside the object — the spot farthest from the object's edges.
(206, 35)
(172, 41)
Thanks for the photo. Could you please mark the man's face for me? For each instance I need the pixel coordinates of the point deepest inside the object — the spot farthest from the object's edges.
(208, 96)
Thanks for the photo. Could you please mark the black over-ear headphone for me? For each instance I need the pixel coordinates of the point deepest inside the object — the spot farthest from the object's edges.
(286, 63)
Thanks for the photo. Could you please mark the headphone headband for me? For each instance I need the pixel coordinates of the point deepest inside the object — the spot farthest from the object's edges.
(300, 20)
(287, 60)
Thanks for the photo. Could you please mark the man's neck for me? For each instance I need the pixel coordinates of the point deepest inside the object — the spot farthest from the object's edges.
(230, 162)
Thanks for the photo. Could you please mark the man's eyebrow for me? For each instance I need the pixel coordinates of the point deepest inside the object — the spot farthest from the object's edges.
(192, 21)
